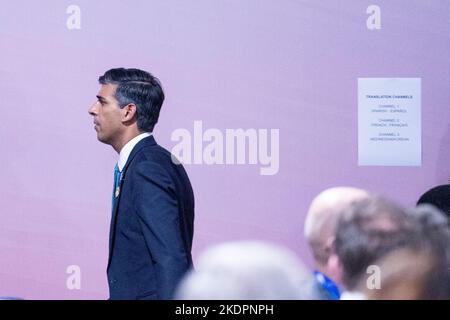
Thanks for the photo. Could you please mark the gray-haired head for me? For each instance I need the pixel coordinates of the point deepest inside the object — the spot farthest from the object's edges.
(368, 230)
(247, 270)
(434, 227)
(428, 277)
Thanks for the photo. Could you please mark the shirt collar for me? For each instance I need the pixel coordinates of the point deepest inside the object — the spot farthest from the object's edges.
(128, 147)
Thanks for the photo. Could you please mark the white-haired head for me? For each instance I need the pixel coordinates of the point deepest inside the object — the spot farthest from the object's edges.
(323, 215)
(247, 270)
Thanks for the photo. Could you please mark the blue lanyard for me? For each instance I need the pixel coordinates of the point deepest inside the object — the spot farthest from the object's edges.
(328, 285)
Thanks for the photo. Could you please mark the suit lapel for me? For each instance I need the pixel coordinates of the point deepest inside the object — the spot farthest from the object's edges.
(149, 141)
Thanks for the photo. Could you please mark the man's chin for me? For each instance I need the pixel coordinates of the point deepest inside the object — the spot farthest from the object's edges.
(102, 139)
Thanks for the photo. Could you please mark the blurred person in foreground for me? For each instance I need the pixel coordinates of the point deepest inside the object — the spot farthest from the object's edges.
(247, 270)
(319, 231)
(368, 230)
(439, 197)
(417, 271)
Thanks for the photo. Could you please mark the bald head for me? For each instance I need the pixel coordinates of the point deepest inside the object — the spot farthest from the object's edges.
(322, 218)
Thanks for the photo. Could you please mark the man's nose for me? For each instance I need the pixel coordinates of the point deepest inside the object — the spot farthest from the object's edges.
(93, 109)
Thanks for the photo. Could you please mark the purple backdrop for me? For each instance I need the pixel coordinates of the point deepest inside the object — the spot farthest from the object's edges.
(288, 65)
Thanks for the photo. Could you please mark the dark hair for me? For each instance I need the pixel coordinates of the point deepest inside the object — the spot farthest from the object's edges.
(140, 88)
(439, 197)
(368, 230)
(435, 229)
(435, 234)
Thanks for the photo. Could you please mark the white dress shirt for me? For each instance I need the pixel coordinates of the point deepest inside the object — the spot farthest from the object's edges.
(127, 148)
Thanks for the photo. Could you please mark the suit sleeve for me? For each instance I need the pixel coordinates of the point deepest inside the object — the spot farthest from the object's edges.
(157, 208)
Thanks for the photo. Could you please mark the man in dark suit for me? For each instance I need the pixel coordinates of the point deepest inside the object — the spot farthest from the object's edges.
(153, 203)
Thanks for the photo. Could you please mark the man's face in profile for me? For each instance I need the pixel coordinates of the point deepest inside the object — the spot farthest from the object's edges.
(107, 115)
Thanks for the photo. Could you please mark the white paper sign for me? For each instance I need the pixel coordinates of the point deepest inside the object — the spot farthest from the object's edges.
(389, 122)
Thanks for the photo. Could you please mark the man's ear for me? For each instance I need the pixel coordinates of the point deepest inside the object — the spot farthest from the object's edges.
(335, 269)
(129, 112)
(329, 246)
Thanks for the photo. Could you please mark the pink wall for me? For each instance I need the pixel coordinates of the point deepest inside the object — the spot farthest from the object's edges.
(288, 65)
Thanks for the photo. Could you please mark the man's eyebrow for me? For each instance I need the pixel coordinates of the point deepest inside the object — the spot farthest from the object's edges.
(100, 98)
